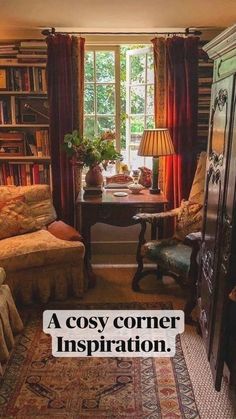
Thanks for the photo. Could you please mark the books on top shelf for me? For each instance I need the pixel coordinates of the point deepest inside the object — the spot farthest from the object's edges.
(23, 52)
(8, 50)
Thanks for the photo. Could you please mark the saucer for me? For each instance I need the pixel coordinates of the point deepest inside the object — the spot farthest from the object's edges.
(120, 194)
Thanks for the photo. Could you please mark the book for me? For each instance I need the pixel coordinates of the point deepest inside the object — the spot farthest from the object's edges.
(93, 190)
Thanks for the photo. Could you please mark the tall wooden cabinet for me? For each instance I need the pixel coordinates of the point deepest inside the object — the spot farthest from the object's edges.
(218, 249)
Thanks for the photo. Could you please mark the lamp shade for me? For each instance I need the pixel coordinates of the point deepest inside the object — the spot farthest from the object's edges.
(156, 142)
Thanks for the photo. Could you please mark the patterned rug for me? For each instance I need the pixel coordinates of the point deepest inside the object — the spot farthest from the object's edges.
(37, 385)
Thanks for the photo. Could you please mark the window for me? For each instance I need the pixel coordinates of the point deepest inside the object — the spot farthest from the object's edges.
(101, 98)
(119, 89)
(139, 101)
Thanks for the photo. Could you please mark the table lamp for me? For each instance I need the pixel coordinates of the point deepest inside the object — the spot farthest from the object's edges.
(155, 143)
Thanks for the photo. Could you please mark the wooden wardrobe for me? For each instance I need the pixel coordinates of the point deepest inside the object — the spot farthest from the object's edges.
(218, 249)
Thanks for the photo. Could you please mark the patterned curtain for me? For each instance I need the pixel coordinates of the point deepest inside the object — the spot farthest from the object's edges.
(176, 72)
(65, 78)
(159, 53)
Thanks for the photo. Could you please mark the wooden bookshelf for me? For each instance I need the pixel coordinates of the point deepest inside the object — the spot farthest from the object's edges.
(24, 126)
(26, 159)
(24, 111)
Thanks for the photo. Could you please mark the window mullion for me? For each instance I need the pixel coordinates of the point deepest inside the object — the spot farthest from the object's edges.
(95, 94)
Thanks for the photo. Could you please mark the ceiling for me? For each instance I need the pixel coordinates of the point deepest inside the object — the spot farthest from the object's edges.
(27, 16)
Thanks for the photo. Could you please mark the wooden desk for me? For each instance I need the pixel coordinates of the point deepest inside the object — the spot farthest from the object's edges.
(116, 211)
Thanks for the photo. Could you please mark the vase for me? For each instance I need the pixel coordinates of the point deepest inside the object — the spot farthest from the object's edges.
(94, 176)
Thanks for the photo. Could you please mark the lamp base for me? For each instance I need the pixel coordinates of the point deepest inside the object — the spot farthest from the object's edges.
(155, 191)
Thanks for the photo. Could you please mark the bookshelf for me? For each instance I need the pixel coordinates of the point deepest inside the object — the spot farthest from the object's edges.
(205, 77)
(24, 120)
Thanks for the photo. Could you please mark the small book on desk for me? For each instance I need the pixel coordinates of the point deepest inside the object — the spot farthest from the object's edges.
(93, 190)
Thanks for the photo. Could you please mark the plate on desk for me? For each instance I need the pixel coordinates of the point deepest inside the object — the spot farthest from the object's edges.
(120, 194)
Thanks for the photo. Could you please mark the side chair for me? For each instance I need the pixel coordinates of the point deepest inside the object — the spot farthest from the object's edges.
(176, 256)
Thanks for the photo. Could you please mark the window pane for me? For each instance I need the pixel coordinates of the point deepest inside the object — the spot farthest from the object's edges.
(150, 98)
(89, 66)
(89, 123)
(106, 124)
(137, 97)
(105, 66)
(89, 99)
(150, 122)
(137, 124)
(135, 160)
(150, 69)
(106, 99)
(137, 63)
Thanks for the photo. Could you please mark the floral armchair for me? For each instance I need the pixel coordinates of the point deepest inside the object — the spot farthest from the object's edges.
(176, 256)
(43, 258)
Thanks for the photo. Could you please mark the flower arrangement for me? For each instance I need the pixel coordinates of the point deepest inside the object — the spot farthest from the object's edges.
(94, 152)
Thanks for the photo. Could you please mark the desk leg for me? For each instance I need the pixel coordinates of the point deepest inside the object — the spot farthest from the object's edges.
(139, 258)
(86, 234)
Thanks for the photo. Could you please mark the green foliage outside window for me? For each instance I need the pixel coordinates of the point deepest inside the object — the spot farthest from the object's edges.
(102, 101)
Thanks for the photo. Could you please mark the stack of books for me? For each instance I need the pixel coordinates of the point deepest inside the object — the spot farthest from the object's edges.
(32, 52)
(8, 54)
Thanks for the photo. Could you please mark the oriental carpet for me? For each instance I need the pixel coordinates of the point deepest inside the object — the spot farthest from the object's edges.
(37, 385)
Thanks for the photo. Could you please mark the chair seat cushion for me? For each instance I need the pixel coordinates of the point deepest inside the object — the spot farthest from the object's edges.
(38, 249)
(172, 255)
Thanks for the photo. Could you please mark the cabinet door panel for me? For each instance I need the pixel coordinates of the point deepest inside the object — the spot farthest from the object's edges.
(227, 263)
(214, 196)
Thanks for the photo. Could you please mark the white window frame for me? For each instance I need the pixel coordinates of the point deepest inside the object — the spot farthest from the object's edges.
(129, 85)
(116, 50)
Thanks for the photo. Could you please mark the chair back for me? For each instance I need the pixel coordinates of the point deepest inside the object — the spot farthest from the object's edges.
(190, 215)
(197, 190)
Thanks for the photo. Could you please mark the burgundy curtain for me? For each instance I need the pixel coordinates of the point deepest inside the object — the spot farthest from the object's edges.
(64, 104)
(176, 93)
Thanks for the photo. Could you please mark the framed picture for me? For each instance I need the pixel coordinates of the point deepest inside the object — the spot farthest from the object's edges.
(12, 144)
(32, 110)
(3, 79)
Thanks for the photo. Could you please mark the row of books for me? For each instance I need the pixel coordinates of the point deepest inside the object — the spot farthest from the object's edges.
(24, 174)
(23, 52)
(39, 143)
(5, 111)
(26, 79)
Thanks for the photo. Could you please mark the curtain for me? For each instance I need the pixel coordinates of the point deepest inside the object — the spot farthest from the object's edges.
(65, 71)
(180, 69)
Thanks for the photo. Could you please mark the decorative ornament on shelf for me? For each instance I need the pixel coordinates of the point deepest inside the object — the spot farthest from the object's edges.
(145, 178)
(95, 154)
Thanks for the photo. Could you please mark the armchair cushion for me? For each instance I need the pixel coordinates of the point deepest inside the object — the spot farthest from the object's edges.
(172, 255)
(37, 197)
(64, 231)
(38, 249)
(15, 217)
(189, 219)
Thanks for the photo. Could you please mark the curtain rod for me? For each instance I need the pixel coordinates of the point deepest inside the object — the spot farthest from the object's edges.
(187, 31)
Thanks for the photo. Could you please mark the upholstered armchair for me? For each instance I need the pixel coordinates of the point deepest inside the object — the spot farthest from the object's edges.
(43, 258)
(176, 256)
